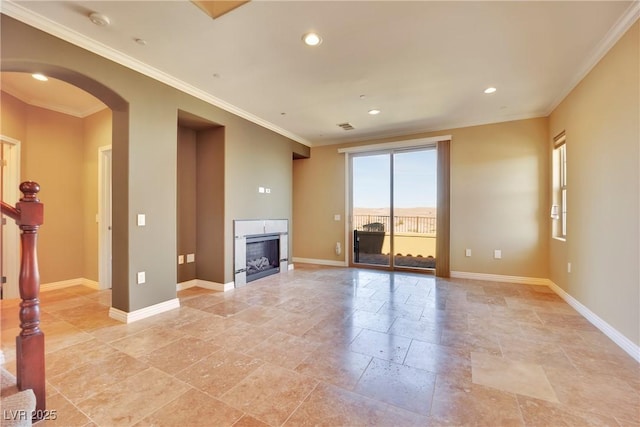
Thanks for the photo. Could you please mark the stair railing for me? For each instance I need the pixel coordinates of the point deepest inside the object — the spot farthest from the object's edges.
(29, 215)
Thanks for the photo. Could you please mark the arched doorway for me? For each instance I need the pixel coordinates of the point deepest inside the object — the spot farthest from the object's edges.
(119, 125)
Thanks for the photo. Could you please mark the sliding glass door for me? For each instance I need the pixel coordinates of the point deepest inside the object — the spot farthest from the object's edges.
(414, 208)
(394, 209)
(371, 212)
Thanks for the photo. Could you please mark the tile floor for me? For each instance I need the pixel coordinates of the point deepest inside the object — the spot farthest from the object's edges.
(334, 347)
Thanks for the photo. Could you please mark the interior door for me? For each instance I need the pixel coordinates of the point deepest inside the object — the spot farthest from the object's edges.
(105, 217)
(10, 176)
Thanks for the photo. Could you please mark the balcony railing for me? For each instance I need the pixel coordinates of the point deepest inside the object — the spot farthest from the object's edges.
(401, 224)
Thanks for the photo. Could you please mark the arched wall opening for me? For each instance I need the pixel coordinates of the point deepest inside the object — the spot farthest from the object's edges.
(119, 142)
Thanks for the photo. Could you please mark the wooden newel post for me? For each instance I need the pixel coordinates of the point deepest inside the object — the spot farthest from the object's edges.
(30, 342)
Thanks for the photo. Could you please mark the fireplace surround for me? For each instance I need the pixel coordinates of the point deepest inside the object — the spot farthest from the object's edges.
(261, 249)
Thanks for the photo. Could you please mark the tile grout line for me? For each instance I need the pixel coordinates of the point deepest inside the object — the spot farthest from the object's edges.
(301, 402)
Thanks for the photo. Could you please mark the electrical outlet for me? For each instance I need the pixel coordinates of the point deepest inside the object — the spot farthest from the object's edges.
(141, 277)
(267, 190)
(336, 217)
(497, 254)
(180, 259)
(467, 252)
(191, 257)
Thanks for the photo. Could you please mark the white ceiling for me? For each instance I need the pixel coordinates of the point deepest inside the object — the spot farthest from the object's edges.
(424, 64)
(53, 94)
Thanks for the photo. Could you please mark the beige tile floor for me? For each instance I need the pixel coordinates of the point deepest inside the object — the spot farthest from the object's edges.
(334, 347)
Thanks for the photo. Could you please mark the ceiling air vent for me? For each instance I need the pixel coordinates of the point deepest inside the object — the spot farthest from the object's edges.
(346, 126)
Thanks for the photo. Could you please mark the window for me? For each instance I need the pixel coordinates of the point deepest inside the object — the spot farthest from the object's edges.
(559, 203)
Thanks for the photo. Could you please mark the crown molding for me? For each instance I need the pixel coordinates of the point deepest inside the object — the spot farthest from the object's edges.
(631, 15)
(40, 22)
(64, 110)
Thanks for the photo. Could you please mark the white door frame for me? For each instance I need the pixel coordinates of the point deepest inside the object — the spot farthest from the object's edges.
(104, 216)
(10, 231)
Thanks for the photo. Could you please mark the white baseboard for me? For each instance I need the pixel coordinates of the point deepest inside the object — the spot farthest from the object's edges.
(321, 262)
(143, 313)
(186, 285)
(523, 280)
(214, 286)
(91, 284)
(623, 342)
(80, 281)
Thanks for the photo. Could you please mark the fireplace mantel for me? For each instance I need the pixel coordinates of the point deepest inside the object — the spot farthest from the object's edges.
(243, 229)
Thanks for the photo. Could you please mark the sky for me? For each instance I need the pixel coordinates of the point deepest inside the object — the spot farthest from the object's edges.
(414, 178)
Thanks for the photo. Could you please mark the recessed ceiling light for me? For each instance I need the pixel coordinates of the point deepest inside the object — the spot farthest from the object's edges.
(374, 112)
(490, 90)
(99, 19)
(40, 77)
(311, 39)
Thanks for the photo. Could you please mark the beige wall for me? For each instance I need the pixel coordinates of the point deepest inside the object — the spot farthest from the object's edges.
(601, 117)
(319, 194)
(499, 198)
(61, 153)
(14, 118)
(186, 193)
(210, 205)
(259, 161)
(50, 145)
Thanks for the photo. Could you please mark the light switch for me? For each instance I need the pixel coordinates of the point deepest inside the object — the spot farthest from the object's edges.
(497, 254)
(467, 252)
(191, 257)
(180, 259)
(142, 220)
(141, 277)
(336, 217)
(260, 189)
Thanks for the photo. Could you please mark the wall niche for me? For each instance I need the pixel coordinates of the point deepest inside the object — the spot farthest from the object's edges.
(200, 200)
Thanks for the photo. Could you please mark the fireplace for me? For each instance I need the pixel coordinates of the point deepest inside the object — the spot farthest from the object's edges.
(263, 256)
(261, 249)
